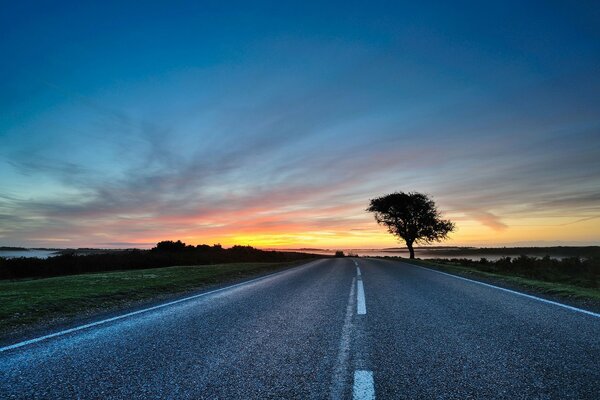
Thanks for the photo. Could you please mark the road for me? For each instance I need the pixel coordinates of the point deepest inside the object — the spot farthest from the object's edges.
(333, 328)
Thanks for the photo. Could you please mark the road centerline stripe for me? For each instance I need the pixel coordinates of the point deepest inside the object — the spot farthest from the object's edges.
(364, 387)
(361, 307)
(358, 272)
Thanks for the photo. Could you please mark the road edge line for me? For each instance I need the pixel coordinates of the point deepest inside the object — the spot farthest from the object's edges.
(130, 314)
(529, 296)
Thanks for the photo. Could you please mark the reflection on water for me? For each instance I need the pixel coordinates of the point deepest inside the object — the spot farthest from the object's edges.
(424, 253)
(419, 253)
(27, 253)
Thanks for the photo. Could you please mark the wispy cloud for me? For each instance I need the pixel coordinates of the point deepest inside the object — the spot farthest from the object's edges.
(288, 139)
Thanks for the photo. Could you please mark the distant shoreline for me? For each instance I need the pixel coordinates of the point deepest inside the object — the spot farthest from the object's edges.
(472, 252)
(422, 251)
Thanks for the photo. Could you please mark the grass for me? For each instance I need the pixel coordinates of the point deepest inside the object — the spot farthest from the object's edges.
(558, 289)
(25, 304)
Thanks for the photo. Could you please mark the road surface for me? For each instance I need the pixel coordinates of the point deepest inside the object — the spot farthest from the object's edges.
(333, 328)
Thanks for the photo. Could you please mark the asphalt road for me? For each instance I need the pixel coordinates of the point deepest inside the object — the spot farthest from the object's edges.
(326, 329)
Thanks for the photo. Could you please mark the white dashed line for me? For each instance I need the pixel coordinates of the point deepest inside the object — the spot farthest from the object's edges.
(361, 307)
(364, 387)
(358, 271)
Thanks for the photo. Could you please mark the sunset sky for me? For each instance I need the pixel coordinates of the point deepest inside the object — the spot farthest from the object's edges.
(273, 124)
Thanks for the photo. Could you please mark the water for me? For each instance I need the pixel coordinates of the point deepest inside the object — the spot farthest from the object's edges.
(27, 253)
(425, 253)
(420, 253)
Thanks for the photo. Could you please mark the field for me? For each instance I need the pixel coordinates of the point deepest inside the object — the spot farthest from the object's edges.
(165, 254)
(566, 279)
(39, 302)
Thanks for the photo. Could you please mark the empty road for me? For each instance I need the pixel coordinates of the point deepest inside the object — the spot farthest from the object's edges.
(334, 328)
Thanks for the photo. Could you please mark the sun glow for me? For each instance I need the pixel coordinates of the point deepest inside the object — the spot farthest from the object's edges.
(468, 233)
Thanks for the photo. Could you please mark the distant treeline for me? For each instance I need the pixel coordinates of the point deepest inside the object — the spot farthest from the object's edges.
(578, 271)
(562, 251)
(165, 254)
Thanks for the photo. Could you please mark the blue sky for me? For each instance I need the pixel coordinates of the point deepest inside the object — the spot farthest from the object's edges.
(273, 124)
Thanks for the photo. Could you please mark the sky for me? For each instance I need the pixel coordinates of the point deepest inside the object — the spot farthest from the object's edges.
(272, 124)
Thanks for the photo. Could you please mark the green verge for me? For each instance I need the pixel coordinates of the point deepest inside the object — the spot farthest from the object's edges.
(26, 304)
(558, 289)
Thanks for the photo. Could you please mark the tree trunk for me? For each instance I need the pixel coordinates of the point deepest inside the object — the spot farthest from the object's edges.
(410, 249)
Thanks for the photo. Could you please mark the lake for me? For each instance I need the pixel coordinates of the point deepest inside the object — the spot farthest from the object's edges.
(427, 253)
(27, 253)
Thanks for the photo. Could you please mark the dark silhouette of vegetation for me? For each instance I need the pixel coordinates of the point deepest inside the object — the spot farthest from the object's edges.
(556, 251)
(339, 253)
(169, 245)
(584, 272)
(412, 217)
(165, 254)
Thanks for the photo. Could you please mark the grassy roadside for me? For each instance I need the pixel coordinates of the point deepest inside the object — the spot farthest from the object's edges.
(565, 291)
(38, 303)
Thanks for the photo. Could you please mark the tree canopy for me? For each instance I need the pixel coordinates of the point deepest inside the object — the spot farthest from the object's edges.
(412, 217)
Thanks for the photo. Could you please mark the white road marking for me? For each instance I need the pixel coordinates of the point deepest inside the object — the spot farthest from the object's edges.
(364, 387)
(118, 317)
(358, 271)
(593, 314)
(361, 307)
(338, 382)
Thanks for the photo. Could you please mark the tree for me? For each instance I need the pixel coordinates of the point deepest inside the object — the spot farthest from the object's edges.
(412, 217)
(169, 245)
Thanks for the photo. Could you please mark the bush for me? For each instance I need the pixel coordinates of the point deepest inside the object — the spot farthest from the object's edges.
(575, 270)
(165, 254)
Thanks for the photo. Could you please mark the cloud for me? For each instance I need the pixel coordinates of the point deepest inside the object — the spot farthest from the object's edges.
(272, 151)
(581, 220)
(127, 244)
(488, 219)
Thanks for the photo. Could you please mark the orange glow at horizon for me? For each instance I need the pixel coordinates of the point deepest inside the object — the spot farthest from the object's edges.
(344, 226)
(273, 232)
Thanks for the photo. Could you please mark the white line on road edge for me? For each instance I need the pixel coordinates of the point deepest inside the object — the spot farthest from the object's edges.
(118, 317)
(358, 271)
(364, 387)
(593, 314)
(361, 307)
